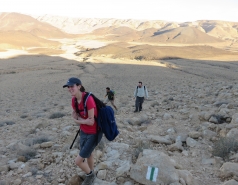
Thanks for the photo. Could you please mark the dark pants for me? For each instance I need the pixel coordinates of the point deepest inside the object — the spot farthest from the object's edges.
(139, 102)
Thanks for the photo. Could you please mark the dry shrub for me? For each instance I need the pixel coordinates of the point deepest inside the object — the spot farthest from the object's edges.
(140, 147)
(2, 123)
(38, 140)
(42, 125)
(57, 115)
(34, 171)
(28, 153)
(23, 116)
(224, 146)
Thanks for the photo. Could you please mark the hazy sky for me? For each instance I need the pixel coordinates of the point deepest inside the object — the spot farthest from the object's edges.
(170, 10)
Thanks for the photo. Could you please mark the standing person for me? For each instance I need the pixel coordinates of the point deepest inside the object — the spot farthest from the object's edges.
(110, 97)
(88, 128)
(139, 93)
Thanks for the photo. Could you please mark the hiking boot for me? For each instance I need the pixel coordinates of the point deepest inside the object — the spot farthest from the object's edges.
(89, 179)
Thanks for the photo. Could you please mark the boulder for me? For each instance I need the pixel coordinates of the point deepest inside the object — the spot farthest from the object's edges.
(208, 134)
(194, 134)
(230, 182)
(159, 139)
(46, 144)
(134, 121)
(186, 176)
(233, 133)
(4, 168)
(124, 168)
(229, 169)
(167, 173)
(75, 180)
(234, 119)
(191, 142)
(102, 174)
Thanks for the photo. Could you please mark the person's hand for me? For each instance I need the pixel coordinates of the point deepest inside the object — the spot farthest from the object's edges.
(74, 115)
(77, 121)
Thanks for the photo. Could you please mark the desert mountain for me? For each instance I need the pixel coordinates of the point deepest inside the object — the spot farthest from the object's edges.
(87, 25)
(184, 35)
(16, 22)
(219, 29)
(20, 31)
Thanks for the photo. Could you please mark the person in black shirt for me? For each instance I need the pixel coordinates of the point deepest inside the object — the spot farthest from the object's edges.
(110, 97)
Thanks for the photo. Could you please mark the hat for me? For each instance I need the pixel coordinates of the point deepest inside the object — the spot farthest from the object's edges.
(72, 81)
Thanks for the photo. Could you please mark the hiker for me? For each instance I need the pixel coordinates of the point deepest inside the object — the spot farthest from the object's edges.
(139, 93)
(110, 94)
(88, 128)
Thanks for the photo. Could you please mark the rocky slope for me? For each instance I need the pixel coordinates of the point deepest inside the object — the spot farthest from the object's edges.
(192, 106)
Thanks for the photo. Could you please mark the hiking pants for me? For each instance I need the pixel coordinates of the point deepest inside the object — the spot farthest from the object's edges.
(138, 103)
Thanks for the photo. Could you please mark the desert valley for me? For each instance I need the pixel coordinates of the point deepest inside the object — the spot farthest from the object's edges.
(188, 127)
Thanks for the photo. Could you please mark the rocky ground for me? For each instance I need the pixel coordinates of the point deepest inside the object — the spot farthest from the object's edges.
(189, 120)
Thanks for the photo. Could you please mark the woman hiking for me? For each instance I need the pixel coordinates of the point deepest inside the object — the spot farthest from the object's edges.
(88, 128)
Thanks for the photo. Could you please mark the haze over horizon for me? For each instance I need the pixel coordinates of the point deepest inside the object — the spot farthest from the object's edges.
(170, 10)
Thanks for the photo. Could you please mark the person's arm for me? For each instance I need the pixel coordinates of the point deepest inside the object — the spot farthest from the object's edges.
(88, 121)
(146, 93)
(135, 92)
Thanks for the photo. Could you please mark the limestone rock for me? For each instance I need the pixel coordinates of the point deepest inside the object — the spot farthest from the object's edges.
(187, 176)
(124, 168)
(75, 180)
(176, 146)
(167, 172)
(234, 119)
(229, 169)
(195, 135)
(208, 134)
(46, 144)
(128, 183)
(17, 182)
(102, 174)
(4, 168)
(134, 121)
(231, 182)
(159, 139)
(233, 133)
(191, 142)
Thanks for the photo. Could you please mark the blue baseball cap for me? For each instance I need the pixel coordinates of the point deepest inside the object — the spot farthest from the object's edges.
(72, 81)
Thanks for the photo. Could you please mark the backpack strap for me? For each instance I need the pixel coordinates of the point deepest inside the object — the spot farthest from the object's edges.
(85, 99)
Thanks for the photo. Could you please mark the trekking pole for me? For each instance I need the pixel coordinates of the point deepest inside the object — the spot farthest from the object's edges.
(74, 139)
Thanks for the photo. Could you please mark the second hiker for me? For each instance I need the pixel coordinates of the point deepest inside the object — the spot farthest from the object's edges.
(110, 97)
(140, 93)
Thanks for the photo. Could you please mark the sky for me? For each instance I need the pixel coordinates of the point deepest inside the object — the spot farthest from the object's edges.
(168, 10)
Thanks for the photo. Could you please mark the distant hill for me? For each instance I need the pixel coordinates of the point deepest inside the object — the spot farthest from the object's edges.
(19, 31)
(16, 22)
(219, 29)
(23, 40)
(149, 52)
(185, 35)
